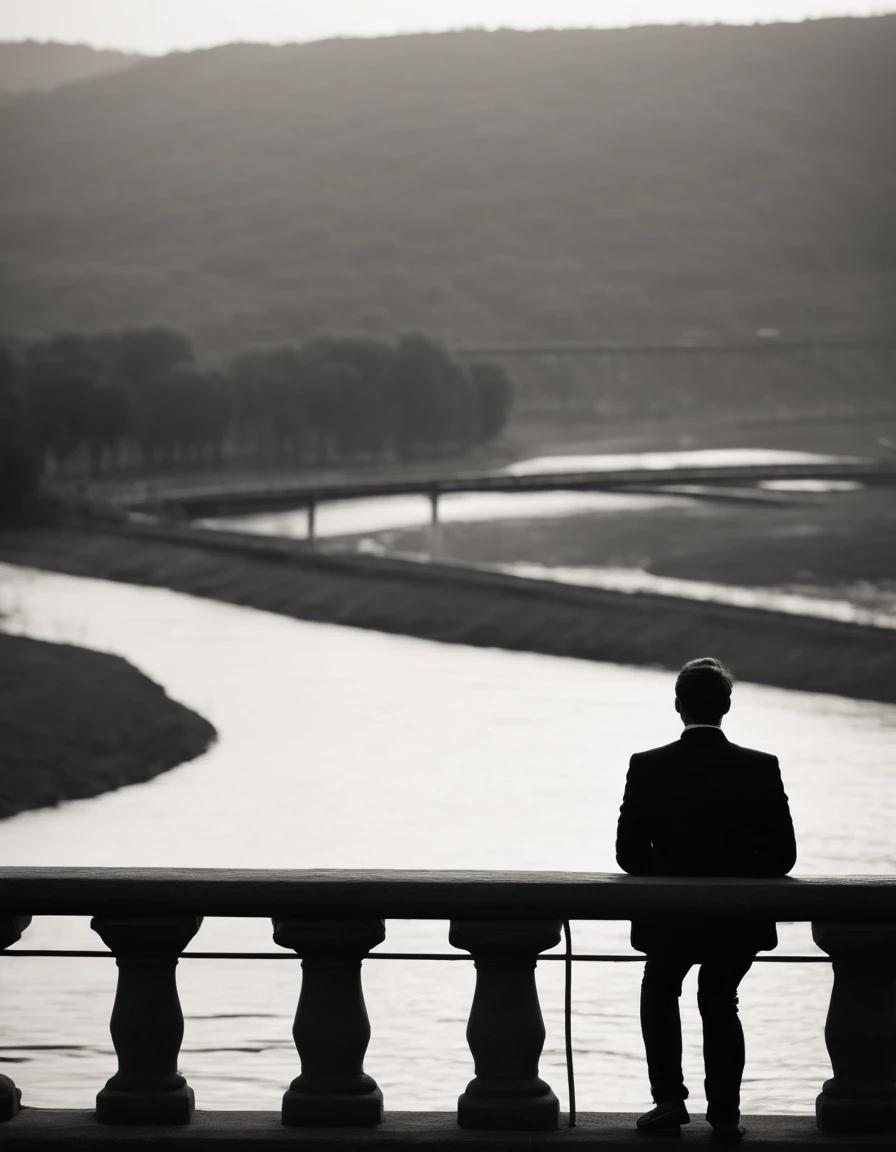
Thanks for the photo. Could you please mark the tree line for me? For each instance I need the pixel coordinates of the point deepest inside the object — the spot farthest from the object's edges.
(139, 398)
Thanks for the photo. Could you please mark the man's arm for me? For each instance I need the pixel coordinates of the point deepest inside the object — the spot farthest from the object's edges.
(778, 849)
(634, 850)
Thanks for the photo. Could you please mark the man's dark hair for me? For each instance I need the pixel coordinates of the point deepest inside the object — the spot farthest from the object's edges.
(703, 690)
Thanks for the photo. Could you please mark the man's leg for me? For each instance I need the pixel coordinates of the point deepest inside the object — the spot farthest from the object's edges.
(661, 1026)
(723, 1036)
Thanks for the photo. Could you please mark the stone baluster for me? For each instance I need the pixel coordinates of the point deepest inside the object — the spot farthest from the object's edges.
(331, 1029)
(506, 1029)
(147, 1022)
(860, 1032)
(11, 929)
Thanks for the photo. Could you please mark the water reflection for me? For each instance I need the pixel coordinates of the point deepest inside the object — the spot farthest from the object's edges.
(379, 513)
(634, 580)
(685, 458)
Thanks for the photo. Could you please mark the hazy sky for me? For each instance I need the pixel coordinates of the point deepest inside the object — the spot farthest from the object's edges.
(160, 25)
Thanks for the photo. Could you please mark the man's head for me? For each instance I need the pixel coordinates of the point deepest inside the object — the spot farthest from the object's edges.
(703, 691)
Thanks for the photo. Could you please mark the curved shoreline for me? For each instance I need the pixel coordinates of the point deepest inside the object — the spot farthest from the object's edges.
(111, 725)
(463, 606)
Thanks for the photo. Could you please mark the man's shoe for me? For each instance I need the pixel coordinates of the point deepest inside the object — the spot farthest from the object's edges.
(728, 1132)
(665, 1119)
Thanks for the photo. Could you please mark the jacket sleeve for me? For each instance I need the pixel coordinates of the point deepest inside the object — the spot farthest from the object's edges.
(634, 849)
(778, 850)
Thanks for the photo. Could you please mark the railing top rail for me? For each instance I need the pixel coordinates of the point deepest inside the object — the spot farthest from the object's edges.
(433, 895)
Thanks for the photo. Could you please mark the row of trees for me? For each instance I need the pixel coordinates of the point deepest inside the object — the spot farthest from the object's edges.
(138, 397)
(19, 463)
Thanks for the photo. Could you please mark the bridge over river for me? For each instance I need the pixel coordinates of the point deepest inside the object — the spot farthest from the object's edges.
(235, 498)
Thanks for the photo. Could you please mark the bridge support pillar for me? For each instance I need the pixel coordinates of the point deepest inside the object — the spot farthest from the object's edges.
(435, 528)
(147, 1022)
(506, 1029)
(331, 1029)
(11, 929)
(860, 1032)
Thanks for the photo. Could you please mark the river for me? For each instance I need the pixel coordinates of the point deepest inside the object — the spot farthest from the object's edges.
(343, 748)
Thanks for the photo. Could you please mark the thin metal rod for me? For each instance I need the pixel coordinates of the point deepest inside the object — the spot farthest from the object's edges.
(561, 957)
(567, 1013)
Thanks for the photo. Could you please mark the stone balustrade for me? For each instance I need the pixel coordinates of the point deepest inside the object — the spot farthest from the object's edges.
(505, 920)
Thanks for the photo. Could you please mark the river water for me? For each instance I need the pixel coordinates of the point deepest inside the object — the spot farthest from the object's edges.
(343, 748)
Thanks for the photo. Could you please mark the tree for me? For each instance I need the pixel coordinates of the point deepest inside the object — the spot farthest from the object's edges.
(142, 356)
(493, 391)
(111, 419)
(62, 376)
(219, 412)
(19, 462)
(360, 390)
(271, 388)
(184, 415)
(432, 401)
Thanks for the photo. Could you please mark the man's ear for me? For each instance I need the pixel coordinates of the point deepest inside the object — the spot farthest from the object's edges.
(677, 705)
(727, 707)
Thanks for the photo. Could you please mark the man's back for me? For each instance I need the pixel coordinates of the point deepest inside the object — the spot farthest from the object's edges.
(703, 806)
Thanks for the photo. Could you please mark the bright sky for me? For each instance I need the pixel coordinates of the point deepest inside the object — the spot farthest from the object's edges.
(160, 25)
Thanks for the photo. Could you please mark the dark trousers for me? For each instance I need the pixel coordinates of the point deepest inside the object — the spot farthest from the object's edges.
(723, 1037)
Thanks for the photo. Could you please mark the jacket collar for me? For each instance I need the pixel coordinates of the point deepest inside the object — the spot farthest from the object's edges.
(704, 731)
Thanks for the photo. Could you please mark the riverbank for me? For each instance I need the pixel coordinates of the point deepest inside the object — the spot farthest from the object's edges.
(828, 544)
(77, 723)
(482, 609)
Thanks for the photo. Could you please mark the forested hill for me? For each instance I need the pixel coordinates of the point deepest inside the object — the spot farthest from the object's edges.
(472, 185)
(34, 66)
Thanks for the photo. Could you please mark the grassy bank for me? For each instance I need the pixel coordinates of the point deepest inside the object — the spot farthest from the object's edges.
(77, 723)
(481, 609)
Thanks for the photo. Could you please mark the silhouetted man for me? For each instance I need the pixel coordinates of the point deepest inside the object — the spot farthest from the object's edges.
(701, 807)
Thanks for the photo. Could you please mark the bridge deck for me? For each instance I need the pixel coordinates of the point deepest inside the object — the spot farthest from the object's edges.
(255, 497)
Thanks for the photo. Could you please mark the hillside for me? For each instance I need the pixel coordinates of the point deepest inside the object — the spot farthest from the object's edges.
(32, 66)
(476, 185)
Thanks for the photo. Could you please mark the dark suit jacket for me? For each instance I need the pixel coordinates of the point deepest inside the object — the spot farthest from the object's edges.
(703, 806)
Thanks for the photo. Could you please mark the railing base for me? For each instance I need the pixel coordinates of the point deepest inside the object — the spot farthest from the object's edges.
(115, 1107)
(491, 1113)
(301, 1110)
(38, 1128)
(836, 1114)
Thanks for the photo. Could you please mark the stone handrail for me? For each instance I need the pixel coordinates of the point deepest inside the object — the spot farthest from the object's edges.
(442, 895)
(505, 920)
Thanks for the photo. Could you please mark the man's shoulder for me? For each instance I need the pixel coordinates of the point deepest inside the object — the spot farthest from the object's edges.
(652, 755)
(677, 748)
(764, 759)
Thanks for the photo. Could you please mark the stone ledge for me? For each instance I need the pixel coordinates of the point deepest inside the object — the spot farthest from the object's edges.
(244, 1131)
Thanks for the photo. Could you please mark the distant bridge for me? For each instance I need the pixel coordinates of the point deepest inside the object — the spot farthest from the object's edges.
(234, 500)
(764, 346)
